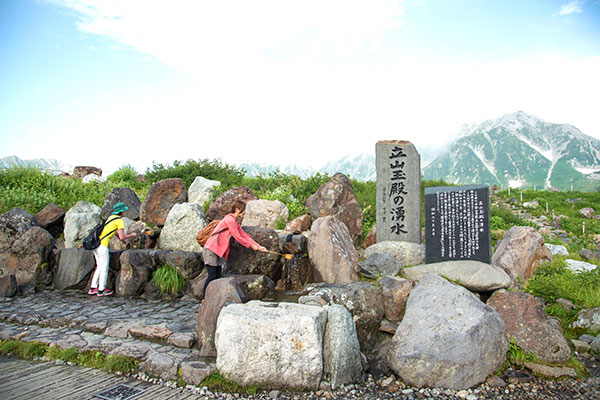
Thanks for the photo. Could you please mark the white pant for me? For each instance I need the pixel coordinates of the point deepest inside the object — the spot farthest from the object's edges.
(101, 272)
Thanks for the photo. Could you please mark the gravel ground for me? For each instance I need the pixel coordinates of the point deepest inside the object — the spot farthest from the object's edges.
(388, 388)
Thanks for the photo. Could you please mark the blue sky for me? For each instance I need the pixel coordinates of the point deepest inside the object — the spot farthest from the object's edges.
(114, 82)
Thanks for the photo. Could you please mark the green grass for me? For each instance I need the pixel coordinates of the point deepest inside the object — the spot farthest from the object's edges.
(168, 280)
(93, 359)
(216, 382)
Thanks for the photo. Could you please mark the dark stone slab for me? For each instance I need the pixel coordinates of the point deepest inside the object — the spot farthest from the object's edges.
(457, 223)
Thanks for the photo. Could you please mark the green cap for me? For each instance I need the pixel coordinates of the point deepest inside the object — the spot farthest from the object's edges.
(119, 208)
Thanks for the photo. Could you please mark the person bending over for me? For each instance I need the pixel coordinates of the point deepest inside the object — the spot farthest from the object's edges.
(217, 246)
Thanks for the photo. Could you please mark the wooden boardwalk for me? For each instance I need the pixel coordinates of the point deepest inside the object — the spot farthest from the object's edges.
(29, 380)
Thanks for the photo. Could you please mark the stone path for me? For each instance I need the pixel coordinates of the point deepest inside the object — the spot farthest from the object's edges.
(157, 333)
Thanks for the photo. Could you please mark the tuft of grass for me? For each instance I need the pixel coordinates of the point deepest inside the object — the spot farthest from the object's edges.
(516, 357)
(217, 382)
(168, 279)
(20, 349)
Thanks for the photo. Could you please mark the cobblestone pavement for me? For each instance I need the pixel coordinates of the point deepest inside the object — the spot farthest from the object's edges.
(161, 335)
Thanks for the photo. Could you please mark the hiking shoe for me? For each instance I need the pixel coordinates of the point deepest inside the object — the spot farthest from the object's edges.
(93, 291)
(104, 292)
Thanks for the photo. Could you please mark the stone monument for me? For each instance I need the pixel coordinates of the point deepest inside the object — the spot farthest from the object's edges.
(457, 223)
(398, 166)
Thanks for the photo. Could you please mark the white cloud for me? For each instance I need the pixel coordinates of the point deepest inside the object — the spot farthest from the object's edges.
(281, 81)
(573, 7)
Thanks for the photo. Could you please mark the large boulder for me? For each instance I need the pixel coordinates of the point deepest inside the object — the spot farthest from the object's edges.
(75, 266)
(530, 326)
(474, 275)
(221, 206)
(181, 226)
(79, 221)
(51, 218)
(13, 224)
(332, 252)
(201, 190)
(124, 195)
(455, 344)
(362, 299)
(520, 252)
(342, 359)
(189, 264)
(136, 269)
(406, 253)
(282, 342)
(159, 200)
(265, 213)
(336, 198)
(30, 258)
(218, 293)
(243, 260)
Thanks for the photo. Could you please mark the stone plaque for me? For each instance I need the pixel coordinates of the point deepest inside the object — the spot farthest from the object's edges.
(398, 166)
(457, 223)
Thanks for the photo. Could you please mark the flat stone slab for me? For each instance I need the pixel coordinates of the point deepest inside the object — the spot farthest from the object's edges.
(473, 275)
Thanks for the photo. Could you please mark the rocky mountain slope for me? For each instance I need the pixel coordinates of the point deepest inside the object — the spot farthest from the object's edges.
(521, 150)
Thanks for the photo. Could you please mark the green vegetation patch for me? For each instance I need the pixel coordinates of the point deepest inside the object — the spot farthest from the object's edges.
(217, 382)
(168, 280)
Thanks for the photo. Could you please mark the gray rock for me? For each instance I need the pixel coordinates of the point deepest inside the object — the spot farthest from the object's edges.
(79, 221)
(336, 198)
(201, 190)
(194, 372)
(332, 252)
(243, 260)
(265, 213)
(456, 344)
(595, 345)
(557, 249)
(75, 267)
(587, 212)
(552, 372)
(341, 349)
(473, 275)
(407, 253)
(125, 195)
(181, 226)
(579, 266)
(362, 299)
(281, 341)
(589, 319)
(160, 365)
(379, 264)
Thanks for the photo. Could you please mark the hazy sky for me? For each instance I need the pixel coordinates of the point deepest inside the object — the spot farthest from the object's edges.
(115, 82)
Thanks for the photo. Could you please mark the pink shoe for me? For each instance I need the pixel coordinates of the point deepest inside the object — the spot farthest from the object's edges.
(104, 292)
(93, 291)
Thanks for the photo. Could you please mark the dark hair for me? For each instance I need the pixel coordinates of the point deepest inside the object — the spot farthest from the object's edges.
(239, 205)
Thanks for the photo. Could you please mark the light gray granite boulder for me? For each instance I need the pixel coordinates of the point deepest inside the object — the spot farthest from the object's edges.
(448, 338)
(181, 227)
(275, 345)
